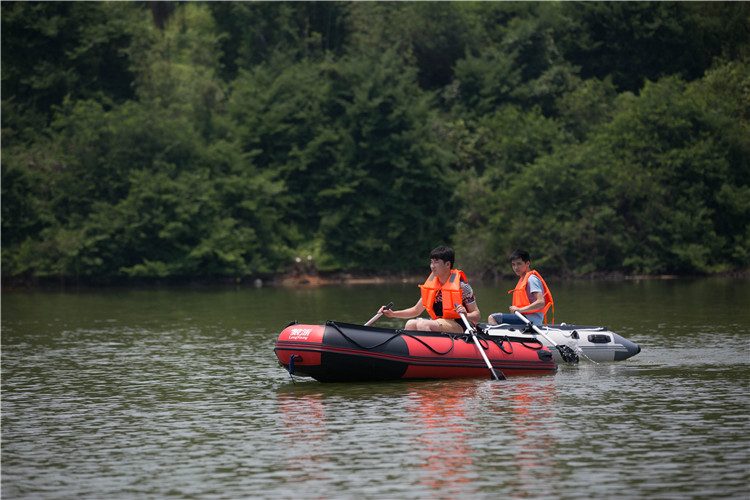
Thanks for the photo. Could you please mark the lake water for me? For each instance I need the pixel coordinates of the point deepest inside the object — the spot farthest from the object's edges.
(177, 393)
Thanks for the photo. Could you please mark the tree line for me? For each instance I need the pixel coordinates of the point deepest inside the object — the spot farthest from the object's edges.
(166, 139)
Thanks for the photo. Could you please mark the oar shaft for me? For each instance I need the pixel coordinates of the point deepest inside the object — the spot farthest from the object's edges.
(471, 331)
(375, 318)
(566, 353)
(535, 328)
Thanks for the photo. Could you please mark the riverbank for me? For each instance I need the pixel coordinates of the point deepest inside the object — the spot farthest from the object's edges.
(296, 279)
(357, 279)
(290, 279)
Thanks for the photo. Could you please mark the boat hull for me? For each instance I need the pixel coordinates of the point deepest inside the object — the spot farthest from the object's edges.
(592, 343)
(339, 352)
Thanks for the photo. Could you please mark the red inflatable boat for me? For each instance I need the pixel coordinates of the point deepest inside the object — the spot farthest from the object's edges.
(341, 352)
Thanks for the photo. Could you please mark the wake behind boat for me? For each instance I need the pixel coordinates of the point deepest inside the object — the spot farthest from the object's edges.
(342, 352)
(595, 343)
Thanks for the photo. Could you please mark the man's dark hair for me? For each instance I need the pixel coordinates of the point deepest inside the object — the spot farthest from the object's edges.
(520, 254)
(446, 254)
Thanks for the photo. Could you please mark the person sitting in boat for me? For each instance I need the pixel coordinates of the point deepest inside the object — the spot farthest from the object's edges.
(445, 296)
(531, 296)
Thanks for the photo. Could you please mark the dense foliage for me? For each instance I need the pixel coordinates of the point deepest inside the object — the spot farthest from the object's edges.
(227, 138)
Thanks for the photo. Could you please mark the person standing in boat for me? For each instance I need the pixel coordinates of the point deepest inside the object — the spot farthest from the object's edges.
(531, 296)
(444, 288)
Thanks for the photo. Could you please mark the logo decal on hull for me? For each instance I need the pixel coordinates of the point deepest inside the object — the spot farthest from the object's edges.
(299, 333)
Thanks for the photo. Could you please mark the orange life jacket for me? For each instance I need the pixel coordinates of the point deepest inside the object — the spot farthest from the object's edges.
(521, 298)
(451, 294)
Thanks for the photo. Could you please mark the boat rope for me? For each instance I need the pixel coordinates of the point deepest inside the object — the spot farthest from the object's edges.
(502, 342)
(537, 344)
(499, 342)
(468, 340)
(291, 365)
(428, 346)
(398, 333)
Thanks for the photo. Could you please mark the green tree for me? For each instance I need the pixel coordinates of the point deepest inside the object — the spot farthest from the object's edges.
(524, 67)
(647, 192)
(495, 153)
(191, 138)
(51, 50)
(637, 41)
(430, 36)
(135, 188)
(252, 32)
(393, 202)
(348, 139)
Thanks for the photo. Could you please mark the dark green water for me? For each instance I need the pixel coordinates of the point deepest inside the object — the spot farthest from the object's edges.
(177, 393)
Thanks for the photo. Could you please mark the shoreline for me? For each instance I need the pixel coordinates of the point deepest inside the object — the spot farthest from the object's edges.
(298, 279)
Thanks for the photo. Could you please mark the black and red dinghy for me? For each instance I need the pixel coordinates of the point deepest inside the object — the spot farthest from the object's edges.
(342, 352)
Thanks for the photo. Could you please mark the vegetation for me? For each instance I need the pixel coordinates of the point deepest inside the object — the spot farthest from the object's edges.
(163, 139)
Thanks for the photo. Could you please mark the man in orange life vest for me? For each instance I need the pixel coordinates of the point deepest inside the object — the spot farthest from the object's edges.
(443, 289)
(531, 296)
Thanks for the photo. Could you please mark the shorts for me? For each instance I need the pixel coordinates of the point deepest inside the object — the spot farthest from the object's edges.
(512, 319)
(447, 322)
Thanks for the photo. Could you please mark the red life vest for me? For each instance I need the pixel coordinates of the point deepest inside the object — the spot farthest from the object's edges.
(521, 298)
(451, 294)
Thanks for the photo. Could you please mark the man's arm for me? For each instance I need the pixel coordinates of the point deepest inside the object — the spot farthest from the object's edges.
(473, 313)
(537, 304)
(411, 312)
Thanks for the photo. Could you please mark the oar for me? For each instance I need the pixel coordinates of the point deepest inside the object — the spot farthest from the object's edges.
(473, 333)
(566, 353)
(375, 318)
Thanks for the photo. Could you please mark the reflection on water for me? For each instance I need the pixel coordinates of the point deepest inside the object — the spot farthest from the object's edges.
(423, 439)
(149, 394)
(439, 423)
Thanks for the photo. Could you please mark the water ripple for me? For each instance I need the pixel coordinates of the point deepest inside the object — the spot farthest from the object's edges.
(195, 409)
